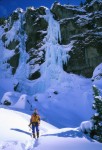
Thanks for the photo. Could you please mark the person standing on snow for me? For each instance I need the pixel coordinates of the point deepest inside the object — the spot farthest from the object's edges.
(35, 122)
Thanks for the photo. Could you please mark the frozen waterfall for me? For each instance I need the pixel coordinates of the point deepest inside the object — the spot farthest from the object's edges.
(52, 69)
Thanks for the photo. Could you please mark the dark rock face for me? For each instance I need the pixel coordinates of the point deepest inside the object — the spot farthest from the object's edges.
(84, 28)
(31, 24)
(93, 6)
(86, 54)
(35, 24)
(14, 61)
(70, 27)
(68, 11)
(35, 75)
(12, 45)
(33, 27)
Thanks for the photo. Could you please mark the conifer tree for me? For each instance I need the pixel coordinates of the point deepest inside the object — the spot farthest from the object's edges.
(96, 132)
(81, 4)
(88, 1)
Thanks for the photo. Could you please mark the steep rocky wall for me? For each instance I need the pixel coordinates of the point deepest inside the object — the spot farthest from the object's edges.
(34, 25)
(83, 26)
(25, 30)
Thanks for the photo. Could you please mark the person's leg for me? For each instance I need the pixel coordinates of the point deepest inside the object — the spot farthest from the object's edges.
(37, 130)
(33, 130)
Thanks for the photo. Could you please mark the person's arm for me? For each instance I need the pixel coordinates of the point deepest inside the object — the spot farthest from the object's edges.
(39, 120)
(30, 121)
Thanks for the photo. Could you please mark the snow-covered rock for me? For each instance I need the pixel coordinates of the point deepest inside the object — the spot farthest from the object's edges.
(86, 126)
(97, 74)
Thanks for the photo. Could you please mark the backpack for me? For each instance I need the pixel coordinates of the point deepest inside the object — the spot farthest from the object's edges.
(35, 118)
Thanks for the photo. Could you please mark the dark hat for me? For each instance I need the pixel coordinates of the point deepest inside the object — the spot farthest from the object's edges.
(35, 113)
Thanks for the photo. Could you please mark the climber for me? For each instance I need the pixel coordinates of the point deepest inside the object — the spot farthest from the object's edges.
(35, 122)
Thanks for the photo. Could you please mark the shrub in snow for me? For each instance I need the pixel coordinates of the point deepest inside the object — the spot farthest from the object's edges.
(86, 126)
(35, 98)
(6, 102)
(55, 92)
(96, 131)
(2, 21)
(16, 86)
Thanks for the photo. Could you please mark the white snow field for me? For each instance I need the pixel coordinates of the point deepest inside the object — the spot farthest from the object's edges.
(15, 135)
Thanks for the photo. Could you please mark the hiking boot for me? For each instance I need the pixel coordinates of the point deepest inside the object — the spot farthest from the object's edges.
(37, 134)
(33, 135)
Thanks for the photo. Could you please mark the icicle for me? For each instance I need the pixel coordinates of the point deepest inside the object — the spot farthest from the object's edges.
(55, 54)
(21, 72)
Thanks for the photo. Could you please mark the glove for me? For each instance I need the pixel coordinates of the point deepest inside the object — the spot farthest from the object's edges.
(29, 125)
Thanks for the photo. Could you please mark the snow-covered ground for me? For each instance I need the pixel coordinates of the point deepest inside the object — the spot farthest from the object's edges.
(66, 105)
(16, 135)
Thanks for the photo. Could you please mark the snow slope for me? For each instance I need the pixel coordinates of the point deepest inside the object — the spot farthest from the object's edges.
(64, 104)
(15, 135)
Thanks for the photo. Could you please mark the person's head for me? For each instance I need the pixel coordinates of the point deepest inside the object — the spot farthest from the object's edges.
(35, 113)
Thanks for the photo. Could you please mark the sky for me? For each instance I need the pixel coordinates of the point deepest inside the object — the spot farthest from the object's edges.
(7, 6)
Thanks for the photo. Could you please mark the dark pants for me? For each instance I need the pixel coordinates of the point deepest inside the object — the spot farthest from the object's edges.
(35, 126)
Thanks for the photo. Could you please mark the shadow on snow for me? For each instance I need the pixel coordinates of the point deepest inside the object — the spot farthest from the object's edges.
(22, 131)
(71, 134)
(65, 134)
